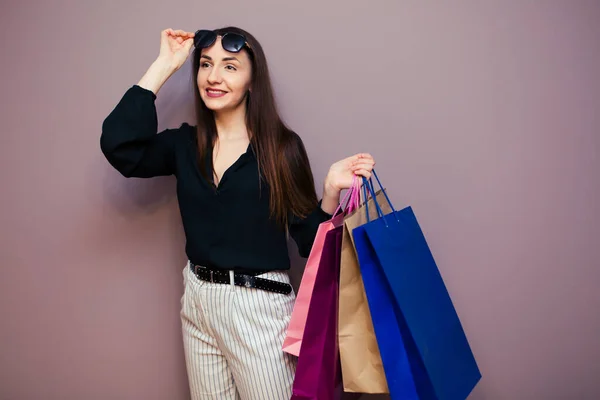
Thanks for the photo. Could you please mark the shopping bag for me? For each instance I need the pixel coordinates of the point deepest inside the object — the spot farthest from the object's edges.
(401, 376)
(318, 374)
(362, 367)
(295, 330)
(440, 358)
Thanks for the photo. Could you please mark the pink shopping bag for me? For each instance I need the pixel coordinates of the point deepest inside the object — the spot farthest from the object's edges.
(295, 331)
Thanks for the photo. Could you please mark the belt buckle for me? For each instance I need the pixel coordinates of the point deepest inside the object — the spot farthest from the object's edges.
(199, 267)
(249, 281)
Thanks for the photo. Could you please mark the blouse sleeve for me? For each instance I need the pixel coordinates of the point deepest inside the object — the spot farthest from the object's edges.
(129, 138)
(304, 230)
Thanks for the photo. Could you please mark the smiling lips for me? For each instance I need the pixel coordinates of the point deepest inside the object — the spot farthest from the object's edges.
(215, 93)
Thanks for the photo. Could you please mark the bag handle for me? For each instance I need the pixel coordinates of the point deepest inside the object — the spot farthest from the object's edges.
(352, 193)
(368, 189)
(354, 201)
(384, 192)
(368, 186)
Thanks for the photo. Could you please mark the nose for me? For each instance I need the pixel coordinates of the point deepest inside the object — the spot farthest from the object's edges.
(214, 76)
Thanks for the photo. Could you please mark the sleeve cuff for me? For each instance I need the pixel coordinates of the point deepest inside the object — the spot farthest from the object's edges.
(144, 90)
(325, 214)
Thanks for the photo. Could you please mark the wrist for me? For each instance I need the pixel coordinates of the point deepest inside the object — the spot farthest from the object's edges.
(329, 189)
(156, 75)
(165, 66)
(331, 197)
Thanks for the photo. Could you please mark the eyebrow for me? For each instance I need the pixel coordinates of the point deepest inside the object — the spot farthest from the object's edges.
(224, 59)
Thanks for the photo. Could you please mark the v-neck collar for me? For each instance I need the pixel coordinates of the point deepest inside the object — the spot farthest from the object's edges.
(232, 168)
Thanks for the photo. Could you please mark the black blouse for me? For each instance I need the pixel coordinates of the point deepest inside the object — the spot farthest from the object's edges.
(225, 228)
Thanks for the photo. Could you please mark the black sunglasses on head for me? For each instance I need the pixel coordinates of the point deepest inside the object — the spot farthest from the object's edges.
(232, 42)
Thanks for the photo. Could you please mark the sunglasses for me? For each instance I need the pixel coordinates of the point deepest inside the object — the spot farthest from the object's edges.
(232, 42)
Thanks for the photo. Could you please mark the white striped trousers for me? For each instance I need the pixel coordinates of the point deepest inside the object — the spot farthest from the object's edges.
(232, 338)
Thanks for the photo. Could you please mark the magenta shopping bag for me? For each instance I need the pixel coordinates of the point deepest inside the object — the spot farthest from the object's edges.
(318, 374)
(295, 330)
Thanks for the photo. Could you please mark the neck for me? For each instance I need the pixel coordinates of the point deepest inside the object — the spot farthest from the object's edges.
(231, 124)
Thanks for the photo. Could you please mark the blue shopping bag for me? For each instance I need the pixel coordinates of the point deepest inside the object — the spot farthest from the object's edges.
(402, 378)
(380, 298)
(440, 358)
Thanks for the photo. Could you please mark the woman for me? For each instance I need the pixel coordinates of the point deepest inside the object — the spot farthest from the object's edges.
(244, 183)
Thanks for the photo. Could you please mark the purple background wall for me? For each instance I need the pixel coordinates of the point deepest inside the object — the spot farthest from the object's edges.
(481, 115)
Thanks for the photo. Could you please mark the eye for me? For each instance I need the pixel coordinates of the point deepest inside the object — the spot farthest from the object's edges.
(205, 65)
(231, 67)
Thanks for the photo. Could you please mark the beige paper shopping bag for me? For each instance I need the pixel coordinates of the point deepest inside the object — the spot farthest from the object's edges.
(362, 369)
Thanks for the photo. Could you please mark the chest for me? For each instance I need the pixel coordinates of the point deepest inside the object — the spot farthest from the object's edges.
(240, 186)
(225, 154)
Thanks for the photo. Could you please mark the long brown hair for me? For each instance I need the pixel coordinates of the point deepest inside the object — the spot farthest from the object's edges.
(282, 158)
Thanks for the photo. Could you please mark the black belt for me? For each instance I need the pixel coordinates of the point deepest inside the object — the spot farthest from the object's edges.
(245, 280)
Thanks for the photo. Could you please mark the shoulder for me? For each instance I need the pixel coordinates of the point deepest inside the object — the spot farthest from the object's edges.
(187, 131)
(179, 138)
(184, 132)
(292, 142)
(294, 152)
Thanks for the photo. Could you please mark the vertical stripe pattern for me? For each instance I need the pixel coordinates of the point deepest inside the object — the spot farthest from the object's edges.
(232, 339)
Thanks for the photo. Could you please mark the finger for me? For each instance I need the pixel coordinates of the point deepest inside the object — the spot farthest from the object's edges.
(363, 160)
(361, 157)
(363, 163)
(185, 34)
(363, 172)
(367, 166)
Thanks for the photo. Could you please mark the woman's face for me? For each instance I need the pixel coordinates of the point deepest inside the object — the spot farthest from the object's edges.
(223, 77)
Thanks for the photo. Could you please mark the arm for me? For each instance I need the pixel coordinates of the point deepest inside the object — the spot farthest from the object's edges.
(339, 177)
(304, 230)
(331, 196)
(129, 137)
